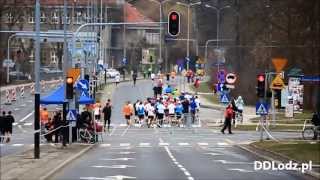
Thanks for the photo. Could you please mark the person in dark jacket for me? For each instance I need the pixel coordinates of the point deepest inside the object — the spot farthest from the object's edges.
(9, 121)
(316, 122)
(57, 122)
(185, 111)
(2, 126)
(107, 114)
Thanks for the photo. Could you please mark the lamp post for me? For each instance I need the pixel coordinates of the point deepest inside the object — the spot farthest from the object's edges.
(218, 10)
(188, 23)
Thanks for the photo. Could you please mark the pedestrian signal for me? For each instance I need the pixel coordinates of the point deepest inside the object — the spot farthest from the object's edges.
(69, 88)
(174, 23)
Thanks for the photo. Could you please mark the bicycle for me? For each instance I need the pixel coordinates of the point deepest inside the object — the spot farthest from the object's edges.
(311, 132)
(86, 135)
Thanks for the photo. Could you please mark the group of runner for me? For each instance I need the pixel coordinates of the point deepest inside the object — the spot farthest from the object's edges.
(165, 109)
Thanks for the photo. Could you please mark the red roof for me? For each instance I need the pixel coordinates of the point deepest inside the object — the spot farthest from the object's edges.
(134, 15)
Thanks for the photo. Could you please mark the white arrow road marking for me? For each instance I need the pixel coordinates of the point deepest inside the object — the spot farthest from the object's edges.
(231, 162)
(240, 170)
(117, 159)
(114, 166)
(27, 116)
(203, 144)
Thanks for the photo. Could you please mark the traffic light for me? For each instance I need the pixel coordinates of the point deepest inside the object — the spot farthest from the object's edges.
(69, 88)
(150, 59)
(261, 85)
(174, 23)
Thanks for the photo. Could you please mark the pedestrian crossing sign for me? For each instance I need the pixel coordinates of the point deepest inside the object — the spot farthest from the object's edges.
(261, 108)
(72, 115)
(224, 98)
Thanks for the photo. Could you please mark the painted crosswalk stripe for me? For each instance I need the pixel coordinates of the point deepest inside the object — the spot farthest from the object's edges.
(203, 144)
(27, 124)
(17, 145)
(14, 124)
(105, 145)
(163, 144)
(222, 144)
(123, 125)
(124, 144)
(144, 144)
(183, 144)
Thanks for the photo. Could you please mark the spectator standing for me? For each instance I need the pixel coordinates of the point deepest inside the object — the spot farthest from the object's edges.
(2, 126)
(117, 79)
(185, 105)
(9, 121)
(107, 114)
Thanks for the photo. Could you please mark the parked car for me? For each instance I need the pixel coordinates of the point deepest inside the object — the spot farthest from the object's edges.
(14, 75)
(111, 73)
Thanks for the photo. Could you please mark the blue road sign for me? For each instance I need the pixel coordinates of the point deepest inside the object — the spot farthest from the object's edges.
(262, 108)
(219, 87)
(83, 85)
(72, 115)
(224, 98)
(221, 76)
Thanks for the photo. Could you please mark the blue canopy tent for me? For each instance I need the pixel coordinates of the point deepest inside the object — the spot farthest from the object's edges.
(56, 97)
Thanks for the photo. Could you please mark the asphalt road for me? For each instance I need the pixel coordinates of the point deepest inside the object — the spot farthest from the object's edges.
(168, 153)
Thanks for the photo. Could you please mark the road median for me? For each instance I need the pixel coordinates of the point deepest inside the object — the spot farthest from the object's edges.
(286, 151)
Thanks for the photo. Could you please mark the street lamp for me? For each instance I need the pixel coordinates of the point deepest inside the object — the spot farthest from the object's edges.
(188, 38)
(218, 10)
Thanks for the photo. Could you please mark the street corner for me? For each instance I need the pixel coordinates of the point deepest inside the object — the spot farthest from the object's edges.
(53, 157)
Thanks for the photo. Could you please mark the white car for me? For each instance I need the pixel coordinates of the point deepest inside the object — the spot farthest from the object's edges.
(112, 73)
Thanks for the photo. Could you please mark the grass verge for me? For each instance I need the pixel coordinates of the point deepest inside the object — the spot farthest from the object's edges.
(252, 127)
(302, 151)
(205, 88)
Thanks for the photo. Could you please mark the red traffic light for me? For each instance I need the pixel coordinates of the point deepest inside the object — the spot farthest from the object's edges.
(260, 78)
(173, 17)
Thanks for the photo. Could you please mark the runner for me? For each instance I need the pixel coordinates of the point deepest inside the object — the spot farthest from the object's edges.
(117, 79)
(178, 111)
(141, 112)
(127, 112)
(160, 112)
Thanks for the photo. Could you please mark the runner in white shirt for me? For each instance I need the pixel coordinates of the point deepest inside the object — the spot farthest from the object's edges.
(150, 109)
(197, 100)
(171, 108)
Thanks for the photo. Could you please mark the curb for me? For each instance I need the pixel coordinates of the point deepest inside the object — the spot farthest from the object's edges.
(311, 173)
(60, 166)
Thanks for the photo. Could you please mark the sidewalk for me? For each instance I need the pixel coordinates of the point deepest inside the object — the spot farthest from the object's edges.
(52, 158)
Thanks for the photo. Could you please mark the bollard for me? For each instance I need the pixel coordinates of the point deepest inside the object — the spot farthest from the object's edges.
(8, 98)
(22, 92)
(13, 94)
(32, 88)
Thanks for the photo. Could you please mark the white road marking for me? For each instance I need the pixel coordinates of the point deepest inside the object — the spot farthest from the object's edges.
(126, 152)
(27, 116)
(123, 125)
(184, 144)
(222, 144)
(117, 159)
(105, 145)
(214, 154)
(163, 144)
(23, 105)
(27, 124)
(203, 144)
(113, 130)
(232, 162)
(20, 127)
(125, 131)
(14, 124)
(17, 145)
(124, 144)
(117, 177)
(29, 101)
(16, 109)
(144, 145)
(240, 170)
(114, 166)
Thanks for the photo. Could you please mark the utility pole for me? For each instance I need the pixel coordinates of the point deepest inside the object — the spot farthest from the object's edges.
(37, 85)
(65, 68)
